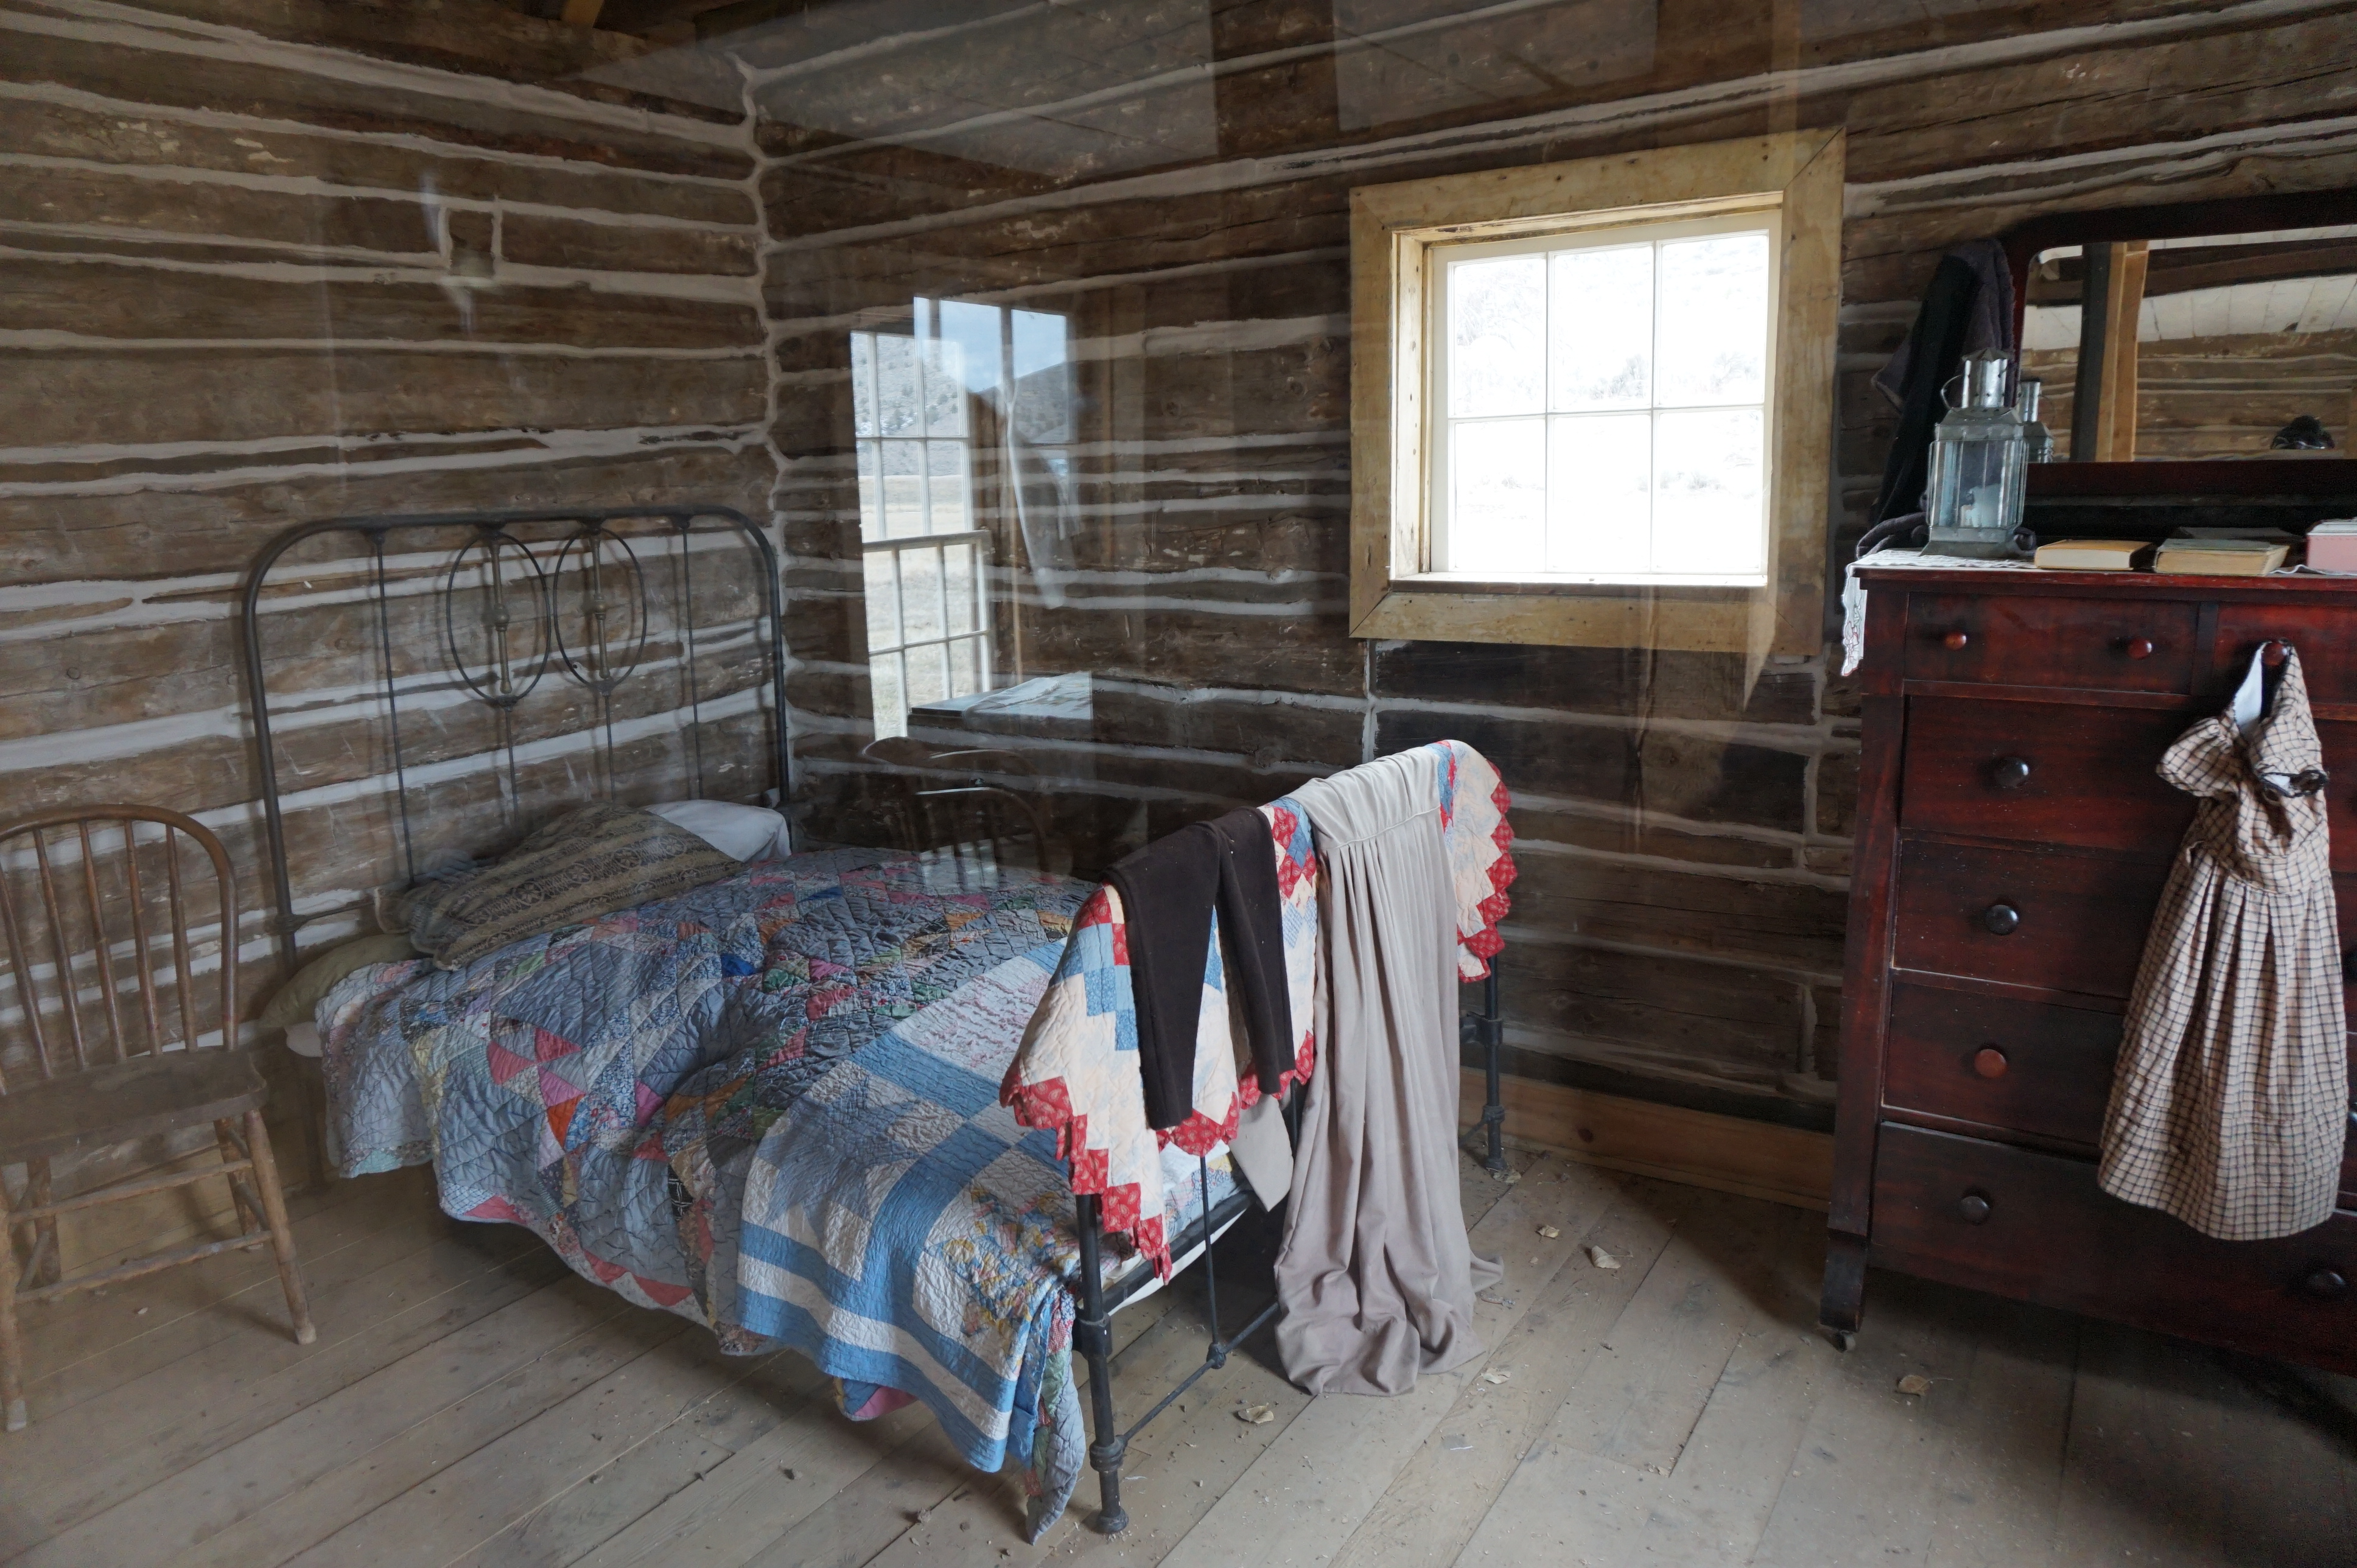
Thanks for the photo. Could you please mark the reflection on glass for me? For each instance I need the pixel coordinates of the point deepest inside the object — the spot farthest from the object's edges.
(964, 425)
(1628, 479)
(914, 436)
(1497, 346)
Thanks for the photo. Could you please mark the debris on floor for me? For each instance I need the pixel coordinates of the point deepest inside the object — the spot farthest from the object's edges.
(1915, 1383)
(1458, 1443)
(1495, 1378)
(1258, 1414)
(1602, 1258)
(1549, 1231)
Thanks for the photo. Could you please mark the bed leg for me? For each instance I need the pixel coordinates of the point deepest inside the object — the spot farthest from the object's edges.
(1093, 1337)
(1493, 1113)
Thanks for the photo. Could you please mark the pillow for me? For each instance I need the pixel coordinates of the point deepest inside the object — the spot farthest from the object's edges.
(746, 833)
(589, 861)
(300, 997)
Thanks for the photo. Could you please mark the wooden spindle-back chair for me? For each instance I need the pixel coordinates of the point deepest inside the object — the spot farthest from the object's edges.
(945, 799)
(107, 1036)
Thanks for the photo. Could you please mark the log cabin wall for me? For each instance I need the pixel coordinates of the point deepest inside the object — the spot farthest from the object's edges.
(1171, 180)
(271, 260)
(265, 261)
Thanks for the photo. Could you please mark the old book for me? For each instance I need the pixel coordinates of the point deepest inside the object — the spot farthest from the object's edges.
(2094, 554)
(2220, 557)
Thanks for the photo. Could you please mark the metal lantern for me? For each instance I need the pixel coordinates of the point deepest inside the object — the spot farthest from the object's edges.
(1978, 458)
(2034, 434)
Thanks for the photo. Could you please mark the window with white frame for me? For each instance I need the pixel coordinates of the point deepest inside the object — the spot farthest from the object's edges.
(923, 553)
(1592, 402)
(1597, 404)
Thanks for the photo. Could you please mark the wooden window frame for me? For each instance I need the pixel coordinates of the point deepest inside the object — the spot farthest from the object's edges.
(1395, 228)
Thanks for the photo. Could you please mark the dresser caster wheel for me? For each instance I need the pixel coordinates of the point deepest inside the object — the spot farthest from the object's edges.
(1842, 1339)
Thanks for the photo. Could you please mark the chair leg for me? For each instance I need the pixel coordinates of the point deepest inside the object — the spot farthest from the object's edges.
(249, 1218)
(12, 1346)
(38, 1191)
(282, 1235)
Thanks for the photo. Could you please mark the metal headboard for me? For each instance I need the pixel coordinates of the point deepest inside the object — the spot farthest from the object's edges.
(524, 638)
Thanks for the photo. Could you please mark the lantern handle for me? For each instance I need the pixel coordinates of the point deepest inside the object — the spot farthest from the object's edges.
(1956, 380)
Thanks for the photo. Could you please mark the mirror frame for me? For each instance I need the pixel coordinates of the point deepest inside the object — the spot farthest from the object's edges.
(2181, 478)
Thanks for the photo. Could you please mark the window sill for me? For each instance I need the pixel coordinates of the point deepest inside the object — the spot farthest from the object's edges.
(1572, 582)
(1708, 618)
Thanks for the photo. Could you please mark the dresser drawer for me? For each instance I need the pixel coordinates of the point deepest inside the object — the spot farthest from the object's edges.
(2044, 773)
(2050, 1075)
(2078, 920)
(2025, 1067)
(2326, 635)
(2036, 1227)
(2034, 641)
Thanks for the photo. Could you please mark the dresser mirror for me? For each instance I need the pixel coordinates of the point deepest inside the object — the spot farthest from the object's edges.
(2204, 348)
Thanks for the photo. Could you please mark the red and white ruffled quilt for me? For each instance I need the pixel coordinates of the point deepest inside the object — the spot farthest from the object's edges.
(1076, 1073)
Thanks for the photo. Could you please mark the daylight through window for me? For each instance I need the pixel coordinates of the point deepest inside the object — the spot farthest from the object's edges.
(1600, 405)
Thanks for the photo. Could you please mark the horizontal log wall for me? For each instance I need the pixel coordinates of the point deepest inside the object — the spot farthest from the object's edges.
(1174, 178)
(265, 261)
(277, 259)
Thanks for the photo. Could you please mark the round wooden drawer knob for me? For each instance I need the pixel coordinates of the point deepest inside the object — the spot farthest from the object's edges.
(1975, 1208)
(1989, 1062)
(1954, 641)
(2001, 920)
(2012, 772)
(2139, 648)
(2327, 1284)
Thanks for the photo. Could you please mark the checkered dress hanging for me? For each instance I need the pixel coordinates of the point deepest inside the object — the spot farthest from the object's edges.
(2231, 1098)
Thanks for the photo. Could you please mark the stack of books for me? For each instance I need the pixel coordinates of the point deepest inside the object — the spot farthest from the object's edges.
(2202, 557)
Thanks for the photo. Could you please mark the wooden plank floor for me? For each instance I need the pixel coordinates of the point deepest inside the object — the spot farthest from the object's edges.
(470, 1401)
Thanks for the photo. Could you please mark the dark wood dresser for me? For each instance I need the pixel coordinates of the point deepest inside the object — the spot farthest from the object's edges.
(2012, 843)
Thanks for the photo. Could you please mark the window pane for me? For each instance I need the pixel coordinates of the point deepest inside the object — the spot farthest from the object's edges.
(888, 700)
(1497, 357)
(1599, 496)
(946, 459)
(1706, 492)
(896, 385)
(944, 388)
(883, 612)
(965, 670)
(1713, 321)
(904, 489)
(921, 592)
(929, 680)
(1600, 327)
(1497, 508)
(871, 493)
(862, 384)
(959, 583)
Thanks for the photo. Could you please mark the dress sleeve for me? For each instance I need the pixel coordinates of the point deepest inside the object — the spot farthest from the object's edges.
(2205, 761)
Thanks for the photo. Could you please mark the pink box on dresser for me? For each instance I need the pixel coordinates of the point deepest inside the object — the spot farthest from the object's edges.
(2332, 546)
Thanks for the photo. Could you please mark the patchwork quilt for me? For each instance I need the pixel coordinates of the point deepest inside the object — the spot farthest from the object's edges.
(769, 1105)
(1077, 1073)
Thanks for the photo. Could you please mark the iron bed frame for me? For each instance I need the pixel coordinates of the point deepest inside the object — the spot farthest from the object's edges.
(1093, 1325)
(602, 666)
(519, 581)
